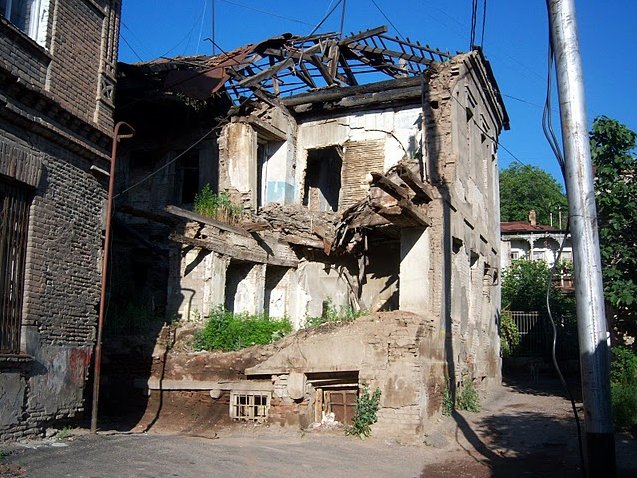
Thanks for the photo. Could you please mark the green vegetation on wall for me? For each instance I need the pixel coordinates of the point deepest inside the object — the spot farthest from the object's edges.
(217, 206)
(227, 331)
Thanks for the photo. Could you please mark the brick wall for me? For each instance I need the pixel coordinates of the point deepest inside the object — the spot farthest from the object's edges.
(57, 119)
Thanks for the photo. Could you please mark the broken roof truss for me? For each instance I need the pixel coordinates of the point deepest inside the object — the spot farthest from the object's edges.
(290, 64)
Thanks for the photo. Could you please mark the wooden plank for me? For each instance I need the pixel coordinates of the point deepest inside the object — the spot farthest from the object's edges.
(338, 93)
(422, 190)
(240, 253)
(363, 35)
(390, 187)
(392, 53)
(193, 216)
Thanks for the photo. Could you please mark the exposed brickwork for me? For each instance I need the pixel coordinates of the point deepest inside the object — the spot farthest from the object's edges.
(55, 127)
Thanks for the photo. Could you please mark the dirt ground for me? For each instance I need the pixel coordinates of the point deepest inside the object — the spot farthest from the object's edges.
(524, 429)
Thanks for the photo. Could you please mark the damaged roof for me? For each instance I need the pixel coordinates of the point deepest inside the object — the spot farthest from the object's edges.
(288, 64)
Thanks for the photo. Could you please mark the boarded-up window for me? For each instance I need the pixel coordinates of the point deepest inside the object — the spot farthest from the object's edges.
(342, 403)
(359, 159)
(14, 218)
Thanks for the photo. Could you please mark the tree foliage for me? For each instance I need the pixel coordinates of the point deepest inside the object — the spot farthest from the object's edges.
(523, 188)
(524, 288)
(612, 150)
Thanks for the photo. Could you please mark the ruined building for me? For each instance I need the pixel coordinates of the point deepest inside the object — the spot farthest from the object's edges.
(367, 173)
(57, 75)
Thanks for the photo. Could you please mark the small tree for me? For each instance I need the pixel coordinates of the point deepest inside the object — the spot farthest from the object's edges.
(523, 188)
(612, 150)
(524, 288)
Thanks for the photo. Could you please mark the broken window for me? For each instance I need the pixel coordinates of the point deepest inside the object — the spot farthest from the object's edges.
(249, 406)
(271, 165)
(26, 15)
(14, 220)
(323, 179)
(188, 176)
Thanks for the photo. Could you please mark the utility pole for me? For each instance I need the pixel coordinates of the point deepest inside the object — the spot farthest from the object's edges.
(594, 347)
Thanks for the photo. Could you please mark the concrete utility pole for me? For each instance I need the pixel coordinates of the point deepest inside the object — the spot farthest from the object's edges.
(591, 320)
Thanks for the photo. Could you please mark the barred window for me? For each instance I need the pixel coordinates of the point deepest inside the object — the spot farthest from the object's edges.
(14, 219)
(249, 406)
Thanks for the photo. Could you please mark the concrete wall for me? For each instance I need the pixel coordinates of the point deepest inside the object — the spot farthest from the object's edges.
(56, 124)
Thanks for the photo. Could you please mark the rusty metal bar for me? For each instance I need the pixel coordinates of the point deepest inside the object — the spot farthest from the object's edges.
(107, 244)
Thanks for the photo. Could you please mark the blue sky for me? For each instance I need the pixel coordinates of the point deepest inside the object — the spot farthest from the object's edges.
(515, 41)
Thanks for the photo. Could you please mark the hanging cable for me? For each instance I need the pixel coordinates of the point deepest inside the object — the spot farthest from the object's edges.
(474, 21)
(402, 37)
(484, 22)
(324, 19)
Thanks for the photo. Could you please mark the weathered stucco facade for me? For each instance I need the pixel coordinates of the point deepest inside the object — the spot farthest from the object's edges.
(380, 197)
(57, 74)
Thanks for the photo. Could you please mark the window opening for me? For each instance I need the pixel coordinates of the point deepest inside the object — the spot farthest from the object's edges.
(14, 219)
(323, 179)
(249, 406)
(25, 15)
(188, 172)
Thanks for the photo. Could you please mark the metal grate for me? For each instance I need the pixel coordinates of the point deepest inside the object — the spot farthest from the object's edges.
(534, 337)
(14, 218)
(249, 406)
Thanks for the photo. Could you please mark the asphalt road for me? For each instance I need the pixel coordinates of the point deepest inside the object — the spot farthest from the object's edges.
(145, 456)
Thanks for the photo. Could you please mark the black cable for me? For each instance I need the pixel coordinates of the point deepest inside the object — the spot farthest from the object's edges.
(327, 15)
(474, 21)
(265, 12)
(389, 21)
(484, 22)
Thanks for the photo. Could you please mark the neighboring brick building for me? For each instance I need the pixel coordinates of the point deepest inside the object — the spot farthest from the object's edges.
(57, 67)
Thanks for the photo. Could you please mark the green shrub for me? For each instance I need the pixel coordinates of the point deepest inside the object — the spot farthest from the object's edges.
(623, 365)
(623, 376)
(366, 413)
(468, 398)
(624, 397)
(227, 331)
(331, 314)
(216, 206)
(447, 402)
(509, 335)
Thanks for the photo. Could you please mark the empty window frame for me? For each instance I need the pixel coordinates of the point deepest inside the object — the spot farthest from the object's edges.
(14, 220)
(188, 176)
(249, 406)
(323, 179)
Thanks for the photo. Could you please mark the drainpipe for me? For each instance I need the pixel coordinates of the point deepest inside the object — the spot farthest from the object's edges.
(107, 243)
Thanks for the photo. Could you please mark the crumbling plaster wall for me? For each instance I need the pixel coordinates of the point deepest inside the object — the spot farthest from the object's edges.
(383, 348)
(461, 161)
(396, 131)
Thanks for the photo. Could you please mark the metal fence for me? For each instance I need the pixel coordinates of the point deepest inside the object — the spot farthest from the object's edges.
(534, 333)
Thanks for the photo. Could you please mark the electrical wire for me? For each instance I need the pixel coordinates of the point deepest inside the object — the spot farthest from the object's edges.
(402, 37)
(264, 12)
(324, 19)
(549, 133)
(484, 22)
(474, 20)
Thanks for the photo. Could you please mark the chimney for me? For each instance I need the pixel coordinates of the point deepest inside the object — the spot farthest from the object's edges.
(532, 217)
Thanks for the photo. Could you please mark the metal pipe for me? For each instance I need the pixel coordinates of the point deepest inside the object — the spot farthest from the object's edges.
(107, 244)
(591, 318)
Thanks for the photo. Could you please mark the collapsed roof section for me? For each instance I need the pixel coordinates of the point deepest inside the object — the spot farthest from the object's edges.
(288, 65)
